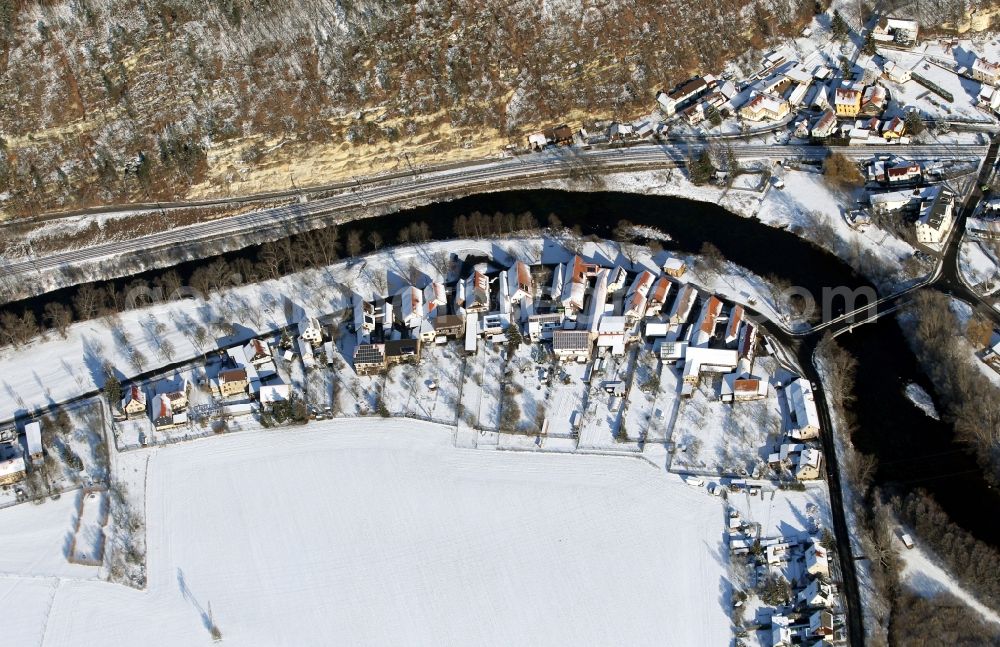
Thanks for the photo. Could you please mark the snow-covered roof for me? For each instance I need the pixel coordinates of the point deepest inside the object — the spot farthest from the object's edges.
(33, 436)
(803, 404)
(274, 393)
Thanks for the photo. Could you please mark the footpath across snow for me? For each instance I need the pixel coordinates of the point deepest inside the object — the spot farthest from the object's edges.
(382, 533)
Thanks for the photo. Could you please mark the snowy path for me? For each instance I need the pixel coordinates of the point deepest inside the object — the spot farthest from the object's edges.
(927, 578)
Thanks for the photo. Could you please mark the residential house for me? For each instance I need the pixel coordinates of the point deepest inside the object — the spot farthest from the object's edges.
(273, 394)
(802, 407)
(821, 625)
(611, 334)
(817, 560)
(33, 439)
(747, 345)
(817, 595)
(411, 306)
(657, 296)
(537, 140)
(986, 71)
(258, 353)
(434, 300)
(808, 466)
(896, 30)
(163, 414)
(134, 401)
(541, 326)
(674, 267)
(369, 359)
(233, 382)
(733, 327)
(672, 351)
(477, 292)
(562, 135)
(705, 330)
(765, 107)
(635, 299)
(619, 132)
(821, 100)
(741, 386)
(781, 631)
(617, 279)
(826, 125)
(894, 129)
(671, 102)
(179, 397)
(895, 200)
(683, 303)
(520, 285)
(706, 360)
(896, 73)
(311, 331)
(903, 174)
(452, 326)
(847, 102)
(873, 101)
(402, 350)
(575, 285)
(936, 217)
(12, 467)
(571, 345)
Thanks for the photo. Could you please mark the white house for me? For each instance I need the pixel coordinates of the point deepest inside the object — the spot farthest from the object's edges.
(781, 631)
(672, 101)
(411, 302)
(817, 560)
(936, 218)
(310, 330)
(134, 401)
(33, 438)
(258, 352)
(765, 107)
(896, 73)
(817, 595)
(433, 298)
(986, 71)
(802, 406)
(611, 334)
(519, 283)
(826, 125)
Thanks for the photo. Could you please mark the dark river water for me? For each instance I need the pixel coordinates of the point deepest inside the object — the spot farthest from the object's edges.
(913, 449)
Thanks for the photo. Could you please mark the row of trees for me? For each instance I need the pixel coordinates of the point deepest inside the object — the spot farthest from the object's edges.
(481, 225)
(970, 398)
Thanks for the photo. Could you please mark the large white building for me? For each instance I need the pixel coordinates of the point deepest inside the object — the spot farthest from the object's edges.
(936, 218)
(802, 405)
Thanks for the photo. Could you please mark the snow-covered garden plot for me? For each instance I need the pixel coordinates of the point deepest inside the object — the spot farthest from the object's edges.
(35, 539)
(713, 437)
(428, 389)
(390, 536)
(482, 390)
(602, 419)
(566, 397)
(644, 417)
(87, 546)
(978, 264)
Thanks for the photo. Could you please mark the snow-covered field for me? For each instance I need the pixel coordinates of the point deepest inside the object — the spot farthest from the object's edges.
(380, 532)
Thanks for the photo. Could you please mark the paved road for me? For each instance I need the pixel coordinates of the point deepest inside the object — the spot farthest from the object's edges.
(502, 173)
